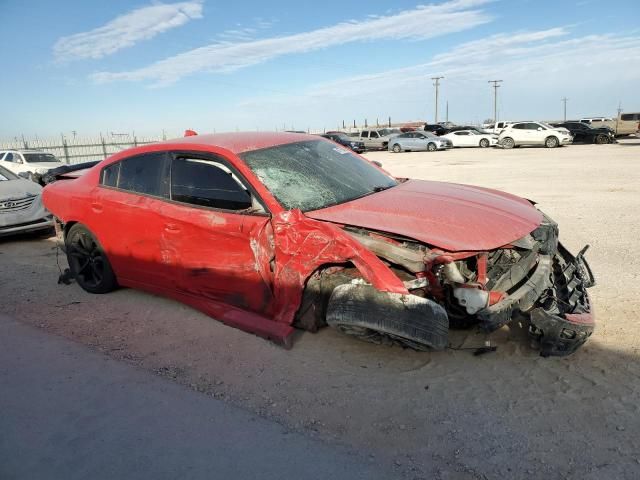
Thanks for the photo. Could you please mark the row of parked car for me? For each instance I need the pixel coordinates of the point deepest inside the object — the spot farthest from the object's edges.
(504, 134)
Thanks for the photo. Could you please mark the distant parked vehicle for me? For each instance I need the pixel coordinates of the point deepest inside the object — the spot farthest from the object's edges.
(378, 138)
(30, 164)
(534, 133)
(435, 129)
(21, 209)
(497, 127)
(345, 140)
(471, 138)
(418, 141)
(583, 133)
(600, 122)
(627, 124)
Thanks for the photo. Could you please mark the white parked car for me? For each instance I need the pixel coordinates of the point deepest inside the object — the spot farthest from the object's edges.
(21, 209)
(534, 133)
(471, 138)
(29, 163)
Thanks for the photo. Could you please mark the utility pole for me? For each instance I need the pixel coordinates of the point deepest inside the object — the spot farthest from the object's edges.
(447, 117)
(618, 117)
(564, 100)
(437, 85)
(496, 85)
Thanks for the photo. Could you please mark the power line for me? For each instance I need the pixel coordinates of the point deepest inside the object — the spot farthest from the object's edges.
(495, 98)
(437, 85)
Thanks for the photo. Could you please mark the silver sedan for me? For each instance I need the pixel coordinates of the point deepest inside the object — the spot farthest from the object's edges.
(21, 209)
(418, 141)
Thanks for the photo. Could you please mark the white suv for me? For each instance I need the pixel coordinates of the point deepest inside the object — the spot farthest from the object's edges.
(534, 133)
(28, 163)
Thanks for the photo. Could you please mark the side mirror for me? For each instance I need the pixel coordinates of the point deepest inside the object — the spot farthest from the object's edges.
(24, 175)
(375, 162)
(539, 129)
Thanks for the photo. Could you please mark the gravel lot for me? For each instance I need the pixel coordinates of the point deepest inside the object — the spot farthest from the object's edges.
(446, 415)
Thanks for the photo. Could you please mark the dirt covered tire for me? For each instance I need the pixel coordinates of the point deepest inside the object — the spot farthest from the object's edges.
(551, 142)
(508, 142)
(396, 148)
(484, 143)
(431, 147)
(88, 262)
(360, 313)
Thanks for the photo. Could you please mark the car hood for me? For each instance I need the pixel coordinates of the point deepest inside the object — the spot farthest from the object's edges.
(449, 216)
(14, 189)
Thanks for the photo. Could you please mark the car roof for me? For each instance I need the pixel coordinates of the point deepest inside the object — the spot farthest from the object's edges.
(22, 150)
(240, 142)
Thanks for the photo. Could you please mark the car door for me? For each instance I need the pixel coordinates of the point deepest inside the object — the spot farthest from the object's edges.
(462, 138)
(374, 139)
(125, 215)
(218, 234)
(364, 137)
(519, 133)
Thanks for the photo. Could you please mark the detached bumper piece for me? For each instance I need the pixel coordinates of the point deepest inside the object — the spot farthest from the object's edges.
(386, 318)
(554, 298)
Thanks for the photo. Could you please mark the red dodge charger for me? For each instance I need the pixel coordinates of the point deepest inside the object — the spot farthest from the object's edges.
(271, 231)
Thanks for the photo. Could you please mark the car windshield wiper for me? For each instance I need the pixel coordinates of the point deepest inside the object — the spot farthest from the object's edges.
(380, 188)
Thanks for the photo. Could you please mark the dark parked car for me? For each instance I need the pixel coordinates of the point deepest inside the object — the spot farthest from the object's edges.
(345, 140)
(435, 129)
(583, 133)
(267, 231)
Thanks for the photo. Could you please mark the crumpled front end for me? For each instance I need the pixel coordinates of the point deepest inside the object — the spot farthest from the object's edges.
(535, 280)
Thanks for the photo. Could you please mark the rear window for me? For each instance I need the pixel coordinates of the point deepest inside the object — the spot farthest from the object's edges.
(630, 117)
(39, 158)
(141, 174)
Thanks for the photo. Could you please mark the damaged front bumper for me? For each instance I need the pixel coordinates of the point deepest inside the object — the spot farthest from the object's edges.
(555, 301)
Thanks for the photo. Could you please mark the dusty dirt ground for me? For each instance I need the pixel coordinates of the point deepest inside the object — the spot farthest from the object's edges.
(447, 415)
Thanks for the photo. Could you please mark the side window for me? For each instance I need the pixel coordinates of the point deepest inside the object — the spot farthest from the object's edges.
(201, 182)
(625, 117)
(533, 126)
(9, 157)
(110, 175)
(145, 174)
(519, 126)
(364, 134)
(374, 135)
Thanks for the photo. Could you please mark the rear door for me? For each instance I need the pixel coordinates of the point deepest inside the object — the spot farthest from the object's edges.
(126, 216)
(218, 233)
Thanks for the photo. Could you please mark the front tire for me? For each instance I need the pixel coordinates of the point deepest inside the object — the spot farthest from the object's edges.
(508, 142)
(602, 140)
(431, 147)
(551, 142)
(396, 148)
(484, 143)
(88, 262)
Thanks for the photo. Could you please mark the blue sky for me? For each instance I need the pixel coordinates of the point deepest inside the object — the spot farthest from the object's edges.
(209, 65)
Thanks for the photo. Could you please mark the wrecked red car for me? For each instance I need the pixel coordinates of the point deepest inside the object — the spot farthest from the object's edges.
(271, 231)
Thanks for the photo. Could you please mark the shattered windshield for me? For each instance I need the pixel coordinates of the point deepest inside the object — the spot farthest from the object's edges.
(39, 157)
(6, 175)
(315, 174)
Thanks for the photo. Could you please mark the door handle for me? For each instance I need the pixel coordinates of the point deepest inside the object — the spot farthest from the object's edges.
(96, 207)
(172, 227)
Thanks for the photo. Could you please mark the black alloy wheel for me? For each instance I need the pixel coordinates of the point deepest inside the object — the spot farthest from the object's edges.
(88, 262)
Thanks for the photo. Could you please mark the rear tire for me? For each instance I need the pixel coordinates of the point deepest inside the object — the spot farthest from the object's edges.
(431, 147)
(88, 262)
(396, 148)
(551, 142)
(508, 142)
(484, 143)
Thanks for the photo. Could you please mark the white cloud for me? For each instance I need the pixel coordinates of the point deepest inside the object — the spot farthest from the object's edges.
(538, 68)
(126, 30)
(422, 22)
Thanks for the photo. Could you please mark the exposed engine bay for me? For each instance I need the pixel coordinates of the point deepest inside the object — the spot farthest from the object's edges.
(534, 280)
